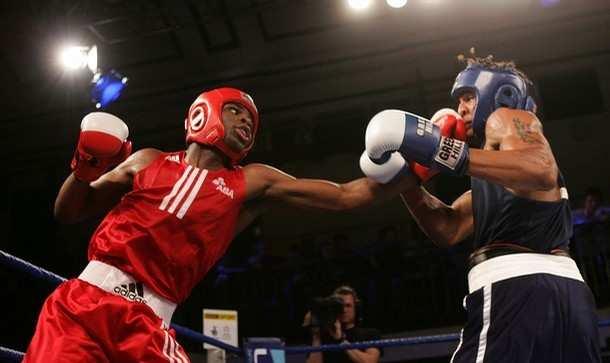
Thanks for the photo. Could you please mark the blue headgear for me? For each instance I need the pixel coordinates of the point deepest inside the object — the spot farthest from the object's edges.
(493, 89)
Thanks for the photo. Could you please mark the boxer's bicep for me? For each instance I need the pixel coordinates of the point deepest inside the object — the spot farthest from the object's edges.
(516, 153)
(525, 134)
(123, 173)
(119, 177)
(307, 193)
(110, 187)
(268, 183)
(108, 190)
(261, 179)
(273, 185)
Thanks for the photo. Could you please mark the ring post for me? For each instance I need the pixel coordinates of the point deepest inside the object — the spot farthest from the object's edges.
(264, 350)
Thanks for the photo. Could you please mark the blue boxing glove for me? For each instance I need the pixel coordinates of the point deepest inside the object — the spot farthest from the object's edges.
(418, 139)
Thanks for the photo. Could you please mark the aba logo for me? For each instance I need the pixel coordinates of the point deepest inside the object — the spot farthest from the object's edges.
(133, 291)
(174, 158)
(222, 187)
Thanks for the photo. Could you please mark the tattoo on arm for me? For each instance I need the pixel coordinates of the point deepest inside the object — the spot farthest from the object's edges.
(525, 132)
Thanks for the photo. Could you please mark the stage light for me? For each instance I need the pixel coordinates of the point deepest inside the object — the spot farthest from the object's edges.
(73, 57)
(359, 4)
(92, 59)
(78, 57)
(107, 88)
(396, 3)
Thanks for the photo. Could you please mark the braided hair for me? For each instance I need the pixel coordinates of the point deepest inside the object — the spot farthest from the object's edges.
(488, 62)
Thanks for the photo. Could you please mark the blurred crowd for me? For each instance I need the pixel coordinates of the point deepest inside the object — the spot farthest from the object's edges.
(401, 284)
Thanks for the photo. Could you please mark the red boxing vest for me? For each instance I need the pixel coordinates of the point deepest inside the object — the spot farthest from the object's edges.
(173, 226)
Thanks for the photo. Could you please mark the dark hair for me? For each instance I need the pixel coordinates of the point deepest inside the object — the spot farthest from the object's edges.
(347, 290)
(488, 62)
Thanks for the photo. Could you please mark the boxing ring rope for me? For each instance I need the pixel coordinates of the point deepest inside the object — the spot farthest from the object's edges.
(38, 272)
(381, 343)
(9, 355)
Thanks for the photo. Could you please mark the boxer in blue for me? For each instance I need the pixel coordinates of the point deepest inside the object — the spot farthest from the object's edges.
(527, 301)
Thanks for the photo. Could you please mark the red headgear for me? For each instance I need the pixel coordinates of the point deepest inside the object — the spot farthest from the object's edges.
(204, 125)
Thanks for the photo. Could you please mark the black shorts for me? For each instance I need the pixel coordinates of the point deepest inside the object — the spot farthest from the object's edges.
(537, 317)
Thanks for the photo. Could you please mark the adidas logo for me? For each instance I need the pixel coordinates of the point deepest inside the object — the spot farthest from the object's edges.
(133, 291)
(174, 158)
(222, 187)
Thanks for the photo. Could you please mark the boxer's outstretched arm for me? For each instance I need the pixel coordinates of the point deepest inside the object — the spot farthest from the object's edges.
(516, 154)
(78, 200)
(271, 184)
(444, 224)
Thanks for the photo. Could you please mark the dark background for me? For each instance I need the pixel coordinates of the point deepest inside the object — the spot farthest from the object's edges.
(318, 72)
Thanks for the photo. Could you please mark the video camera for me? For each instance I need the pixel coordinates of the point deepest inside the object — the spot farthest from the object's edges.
(325, 311)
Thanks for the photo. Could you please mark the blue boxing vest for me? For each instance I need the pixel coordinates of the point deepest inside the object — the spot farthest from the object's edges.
(501, 216)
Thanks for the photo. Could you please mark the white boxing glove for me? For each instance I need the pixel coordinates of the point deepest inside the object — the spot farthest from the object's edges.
(102, 144)
(386, 172)
(384, 134)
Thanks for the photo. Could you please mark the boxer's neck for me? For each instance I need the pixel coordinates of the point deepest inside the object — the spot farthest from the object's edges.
(205, 157)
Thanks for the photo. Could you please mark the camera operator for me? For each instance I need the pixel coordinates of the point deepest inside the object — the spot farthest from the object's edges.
(333, 320)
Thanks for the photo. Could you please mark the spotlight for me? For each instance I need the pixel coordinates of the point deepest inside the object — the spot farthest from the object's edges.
(359, 4)
(107, 88)
(396, 3)
(73, 57)
(92, 59)
(77, 57)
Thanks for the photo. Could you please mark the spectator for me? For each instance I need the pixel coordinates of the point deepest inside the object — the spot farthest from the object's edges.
(592, 211)
(344, 330)
(590, 247)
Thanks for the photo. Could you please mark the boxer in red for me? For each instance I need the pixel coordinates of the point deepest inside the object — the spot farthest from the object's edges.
(170, 217)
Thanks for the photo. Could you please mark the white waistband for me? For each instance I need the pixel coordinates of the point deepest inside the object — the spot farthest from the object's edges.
(520, 264)
(115, 281)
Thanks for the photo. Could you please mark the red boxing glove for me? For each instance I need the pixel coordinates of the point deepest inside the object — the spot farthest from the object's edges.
(102, 144)
(451, 125)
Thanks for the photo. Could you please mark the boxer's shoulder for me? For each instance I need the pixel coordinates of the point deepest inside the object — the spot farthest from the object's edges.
(140, 159)
(148, 153)
(507, 118)
(260, 177)
(264, 172)
(505, 122)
